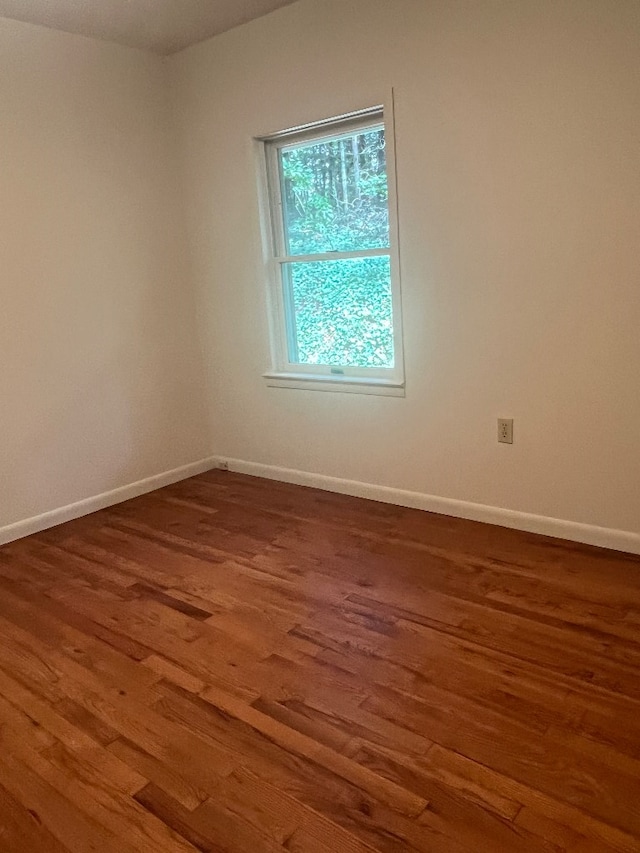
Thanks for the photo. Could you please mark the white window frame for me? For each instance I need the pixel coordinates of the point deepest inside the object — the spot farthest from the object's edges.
(283, 372)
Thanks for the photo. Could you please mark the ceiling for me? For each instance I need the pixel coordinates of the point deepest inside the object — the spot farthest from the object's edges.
(163, 26)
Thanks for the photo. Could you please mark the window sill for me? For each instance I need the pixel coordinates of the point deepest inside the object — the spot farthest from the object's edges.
(342, 384)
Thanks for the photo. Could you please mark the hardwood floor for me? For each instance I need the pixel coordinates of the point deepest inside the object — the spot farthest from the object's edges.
(233, 664)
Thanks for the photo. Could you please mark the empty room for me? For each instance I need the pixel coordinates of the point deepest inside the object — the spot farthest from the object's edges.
(320, 426)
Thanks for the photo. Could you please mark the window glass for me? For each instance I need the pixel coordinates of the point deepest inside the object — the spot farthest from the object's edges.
(341, 312)
(335, 194)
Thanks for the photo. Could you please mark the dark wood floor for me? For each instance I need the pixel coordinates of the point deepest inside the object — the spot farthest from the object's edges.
(232, 664)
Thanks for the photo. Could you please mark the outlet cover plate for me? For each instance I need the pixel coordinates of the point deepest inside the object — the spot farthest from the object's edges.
(505, 430)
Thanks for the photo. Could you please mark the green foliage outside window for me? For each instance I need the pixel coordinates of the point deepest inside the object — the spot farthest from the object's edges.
(343, 312)
(335, 199)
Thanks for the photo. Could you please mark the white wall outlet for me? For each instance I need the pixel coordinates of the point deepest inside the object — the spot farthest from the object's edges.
(505, 430)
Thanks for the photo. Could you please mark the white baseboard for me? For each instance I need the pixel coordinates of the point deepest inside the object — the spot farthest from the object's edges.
(116, 496)
(619, 540)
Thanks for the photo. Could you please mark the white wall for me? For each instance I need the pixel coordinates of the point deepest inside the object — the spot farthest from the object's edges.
(519, 193)
(100, 372)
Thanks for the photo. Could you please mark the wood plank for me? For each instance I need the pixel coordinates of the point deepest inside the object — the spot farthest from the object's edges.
(324, 792)
(300, 744)
(549, 806)
(22, 829)
(549, 766)
(172, 778)
(76, 830)
(158, 803)
(211, 828)
(101, 797)
(146, 591)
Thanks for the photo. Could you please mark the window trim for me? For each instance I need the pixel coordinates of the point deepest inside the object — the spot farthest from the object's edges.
(283, 372)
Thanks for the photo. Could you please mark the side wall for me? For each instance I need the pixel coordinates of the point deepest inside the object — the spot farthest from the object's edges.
(519, 195)
(100, 372)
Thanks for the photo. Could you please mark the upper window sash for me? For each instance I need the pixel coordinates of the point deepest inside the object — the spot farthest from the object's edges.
(289, 141)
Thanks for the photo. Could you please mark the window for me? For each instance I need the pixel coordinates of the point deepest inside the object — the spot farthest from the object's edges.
(332, 254)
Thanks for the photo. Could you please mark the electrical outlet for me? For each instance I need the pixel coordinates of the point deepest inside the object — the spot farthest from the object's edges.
(505, 430)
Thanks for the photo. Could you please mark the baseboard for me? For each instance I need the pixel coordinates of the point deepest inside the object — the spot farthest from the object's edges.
(106, 499)
(604, 537)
